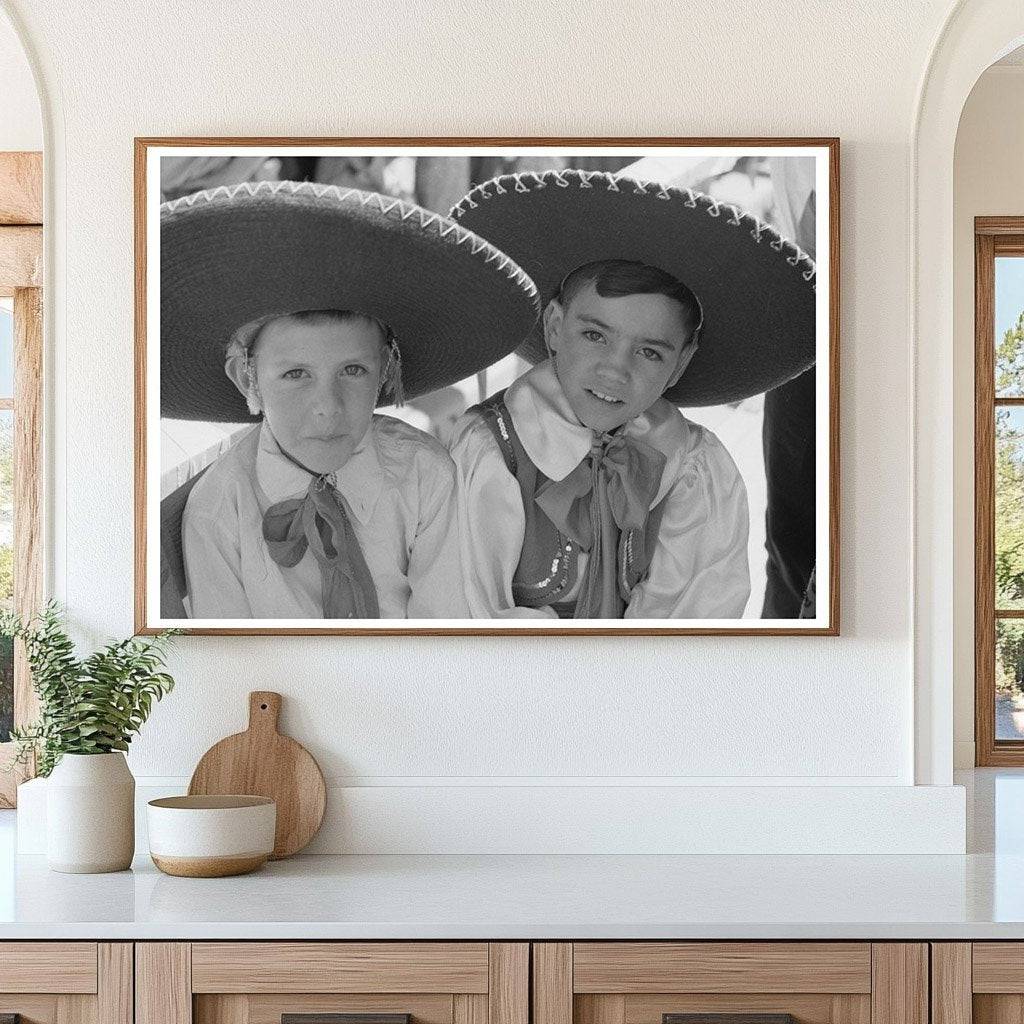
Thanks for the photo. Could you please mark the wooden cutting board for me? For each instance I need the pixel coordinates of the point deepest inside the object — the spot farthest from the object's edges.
(262, 762)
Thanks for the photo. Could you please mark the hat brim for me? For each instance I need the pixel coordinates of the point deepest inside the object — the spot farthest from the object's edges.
(233, 255)
(756, 288)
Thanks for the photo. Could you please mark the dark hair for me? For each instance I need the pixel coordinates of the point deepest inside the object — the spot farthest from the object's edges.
(615, 279)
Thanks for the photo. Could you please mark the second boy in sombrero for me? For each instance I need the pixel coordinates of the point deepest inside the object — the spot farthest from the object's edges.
(304, 307)
(584, 492)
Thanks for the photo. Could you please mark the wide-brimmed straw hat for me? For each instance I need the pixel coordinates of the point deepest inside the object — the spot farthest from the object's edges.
(229, 256)
(756, 288)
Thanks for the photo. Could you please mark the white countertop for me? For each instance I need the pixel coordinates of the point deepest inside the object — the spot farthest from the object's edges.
(977, 896)
(532, 897)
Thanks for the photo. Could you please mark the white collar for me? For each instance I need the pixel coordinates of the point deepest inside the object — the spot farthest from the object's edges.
(359, 480)
(557, 442)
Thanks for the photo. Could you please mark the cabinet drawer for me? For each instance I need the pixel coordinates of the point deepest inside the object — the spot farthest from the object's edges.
(980, 982)
(751, 982)
(48, 967)
(261, 982)
(339, 967)
(998, 967)
(634, 967)
(66, 982)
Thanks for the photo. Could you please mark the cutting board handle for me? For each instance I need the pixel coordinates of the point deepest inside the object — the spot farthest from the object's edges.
(264, 709)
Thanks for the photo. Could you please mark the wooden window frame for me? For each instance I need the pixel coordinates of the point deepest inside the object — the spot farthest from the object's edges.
(21, 269)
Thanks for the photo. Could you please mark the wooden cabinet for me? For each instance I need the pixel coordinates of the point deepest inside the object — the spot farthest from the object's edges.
(981, 982)
(259, 982)
(494, 983)
(66, 982)
(815, 982)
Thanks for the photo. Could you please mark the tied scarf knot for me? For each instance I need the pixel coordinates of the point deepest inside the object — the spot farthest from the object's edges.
(318, 522)
(605, 497)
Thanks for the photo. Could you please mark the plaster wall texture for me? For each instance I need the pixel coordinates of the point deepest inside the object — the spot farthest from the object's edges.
(21, 124)
(453, 712)
(987, 182)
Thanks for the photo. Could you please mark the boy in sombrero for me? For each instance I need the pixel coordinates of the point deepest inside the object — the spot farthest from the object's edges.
(584, 492)
(305, 307)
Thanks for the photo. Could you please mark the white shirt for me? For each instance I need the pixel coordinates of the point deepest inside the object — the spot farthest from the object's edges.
(699, 569)
(400, 486)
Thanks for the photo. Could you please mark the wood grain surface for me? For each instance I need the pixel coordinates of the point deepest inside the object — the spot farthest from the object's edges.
(722, 967)
(262, 762)
(552, 983)
(599, 1009)
(508, 983)
(264, 1008)
(163, 983)
(48, 967)
(998, 967)
(899, 989)
(988, 1008)
(340, 967)
(21, 258)
(469, 1008)
(115, 991)
(807, 1008)
(21, 188)
(951, 983)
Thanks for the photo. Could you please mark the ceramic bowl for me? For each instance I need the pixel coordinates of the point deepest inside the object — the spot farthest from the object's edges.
(211, 836)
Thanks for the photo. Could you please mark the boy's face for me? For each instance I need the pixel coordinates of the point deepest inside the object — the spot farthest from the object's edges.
(318, 385)
(616, 356)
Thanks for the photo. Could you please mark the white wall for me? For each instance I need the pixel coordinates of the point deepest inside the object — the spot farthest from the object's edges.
(21, 125)
(988, 181)
(442, 713)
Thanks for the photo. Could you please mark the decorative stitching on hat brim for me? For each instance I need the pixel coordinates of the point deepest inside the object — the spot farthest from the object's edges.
(533, 181)
(443, 227)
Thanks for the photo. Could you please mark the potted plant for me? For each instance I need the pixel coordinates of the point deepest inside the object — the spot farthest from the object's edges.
(89, 709)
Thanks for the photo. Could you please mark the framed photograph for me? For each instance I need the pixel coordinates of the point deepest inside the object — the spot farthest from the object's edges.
(487, 386)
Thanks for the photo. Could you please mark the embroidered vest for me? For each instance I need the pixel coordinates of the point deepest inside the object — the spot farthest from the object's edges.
(549, 563)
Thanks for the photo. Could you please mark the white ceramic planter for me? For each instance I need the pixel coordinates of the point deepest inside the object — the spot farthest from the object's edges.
(90, 814)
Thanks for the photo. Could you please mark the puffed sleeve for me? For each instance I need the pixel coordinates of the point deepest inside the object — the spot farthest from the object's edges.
(435, 568)
(699, 569)
(492, 525)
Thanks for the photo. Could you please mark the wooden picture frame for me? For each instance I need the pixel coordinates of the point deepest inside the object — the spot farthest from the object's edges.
(825, 151)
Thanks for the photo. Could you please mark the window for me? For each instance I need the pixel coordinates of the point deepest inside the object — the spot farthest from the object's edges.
(999, 490)
(20, 433)
(6, 510)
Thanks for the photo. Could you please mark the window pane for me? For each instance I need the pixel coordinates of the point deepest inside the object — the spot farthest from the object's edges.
(1009, 679)
(6, 348)
(1009, 539)
(1009, 324)
(6, 567)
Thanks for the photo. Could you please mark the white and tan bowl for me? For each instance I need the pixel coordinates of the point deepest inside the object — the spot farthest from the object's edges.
(211, 836)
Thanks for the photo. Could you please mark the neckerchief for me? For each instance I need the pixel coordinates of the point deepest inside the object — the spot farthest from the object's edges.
(320, 522)
(608, 494)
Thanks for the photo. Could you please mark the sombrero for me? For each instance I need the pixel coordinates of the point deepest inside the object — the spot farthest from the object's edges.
(233, 254)
(756, 288)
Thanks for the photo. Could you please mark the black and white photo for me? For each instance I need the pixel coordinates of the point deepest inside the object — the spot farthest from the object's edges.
(413, 387)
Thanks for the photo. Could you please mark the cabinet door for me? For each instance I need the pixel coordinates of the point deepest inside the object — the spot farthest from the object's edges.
(315, 982)
(747, 982)
(981, 982)
(66, 982)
